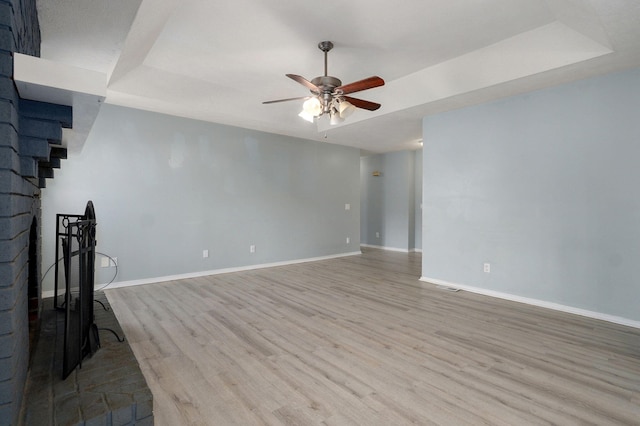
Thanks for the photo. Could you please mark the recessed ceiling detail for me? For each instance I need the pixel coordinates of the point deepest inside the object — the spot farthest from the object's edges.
(215, 61)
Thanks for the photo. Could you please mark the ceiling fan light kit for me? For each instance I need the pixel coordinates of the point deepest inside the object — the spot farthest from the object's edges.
(311, 108)
(328, 94)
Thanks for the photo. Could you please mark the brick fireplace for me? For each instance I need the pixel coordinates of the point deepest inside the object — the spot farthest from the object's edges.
(30, 137)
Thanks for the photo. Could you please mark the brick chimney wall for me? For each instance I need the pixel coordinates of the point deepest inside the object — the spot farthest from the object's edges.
(30, 134)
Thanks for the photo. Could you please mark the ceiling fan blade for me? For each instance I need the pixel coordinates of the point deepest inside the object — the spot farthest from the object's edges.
(361, 103)
(306, 83)
(367, 83)
(286, 100)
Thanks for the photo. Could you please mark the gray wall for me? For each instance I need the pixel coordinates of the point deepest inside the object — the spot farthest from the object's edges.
(542, 186)
(389, 200)
(167, 188)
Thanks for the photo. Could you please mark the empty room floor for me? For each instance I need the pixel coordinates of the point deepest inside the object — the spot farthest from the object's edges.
(359, 340)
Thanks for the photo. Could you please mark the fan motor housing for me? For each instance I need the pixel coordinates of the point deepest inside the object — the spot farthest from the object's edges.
(327, 83)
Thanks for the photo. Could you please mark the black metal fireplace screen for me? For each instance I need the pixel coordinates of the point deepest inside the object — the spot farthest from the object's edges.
(76, 238)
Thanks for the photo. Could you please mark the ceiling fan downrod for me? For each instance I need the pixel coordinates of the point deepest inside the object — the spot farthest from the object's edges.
(326, 83)
(325, 46)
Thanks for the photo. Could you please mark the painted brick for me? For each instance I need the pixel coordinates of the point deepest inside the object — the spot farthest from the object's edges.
(31, 188)
(8, 182)
(22, 340)
(6, 40)
(28, 167)
(110, 387)
(6, 410)
(19, 32)
(8, 92)
(45, 172)
(10, 204)
(9, 250)
(6, 323)
(5, 14)
(14, 204)
(11, 366)
(6, 64)
(9, 135)
(20, 378)
(7, 271)
(7, 204)
(18, 267)
(43, 129)
(8, 113)
(47, 111)
(9, 159)
(58, 152)
(11, 182)
(6, 394)
(37, 148)
(10, 229)
(25, 27)
(7, 300)
(13, 228)
(53, 163)
(7, 345)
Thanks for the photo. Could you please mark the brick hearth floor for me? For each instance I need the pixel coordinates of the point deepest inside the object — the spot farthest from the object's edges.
(109, 389)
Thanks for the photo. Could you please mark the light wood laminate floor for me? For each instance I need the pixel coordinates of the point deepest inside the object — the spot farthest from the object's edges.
(360, 340)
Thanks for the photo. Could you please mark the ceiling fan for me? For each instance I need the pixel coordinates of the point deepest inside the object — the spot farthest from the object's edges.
(329, 95)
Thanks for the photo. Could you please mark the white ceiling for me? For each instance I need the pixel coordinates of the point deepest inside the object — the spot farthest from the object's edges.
(219, 60)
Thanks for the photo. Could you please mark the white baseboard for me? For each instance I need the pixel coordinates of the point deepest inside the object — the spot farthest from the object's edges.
(385, 248)
(49, 293)
(535, 302)
(413, 250)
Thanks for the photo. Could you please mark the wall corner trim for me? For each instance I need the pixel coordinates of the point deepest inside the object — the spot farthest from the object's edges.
(535, 302)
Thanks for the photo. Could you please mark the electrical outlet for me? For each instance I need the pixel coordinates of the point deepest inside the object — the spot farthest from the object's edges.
(113, 261)
(377, 235)
(348, 240)
(252, 248)
(104, 262)
(487, 268)
(205, 254)
(347, 206)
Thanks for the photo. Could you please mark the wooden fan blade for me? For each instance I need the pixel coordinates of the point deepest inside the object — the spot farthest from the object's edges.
(286, 100)
(367, 83)
(306, 83)
(361, 103)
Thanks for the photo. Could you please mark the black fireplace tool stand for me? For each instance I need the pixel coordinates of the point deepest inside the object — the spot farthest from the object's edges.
(76, 238)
